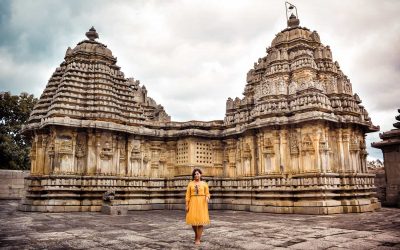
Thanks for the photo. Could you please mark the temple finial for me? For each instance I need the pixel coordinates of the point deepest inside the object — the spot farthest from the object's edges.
(92, 34)
(291, 15)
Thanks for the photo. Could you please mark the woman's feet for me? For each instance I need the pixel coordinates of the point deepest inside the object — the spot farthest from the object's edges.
(197, 242)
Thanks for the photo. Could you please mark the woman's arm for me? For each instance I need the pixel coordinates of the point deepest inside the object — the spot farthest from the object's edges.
(207, 192)
(187, 197)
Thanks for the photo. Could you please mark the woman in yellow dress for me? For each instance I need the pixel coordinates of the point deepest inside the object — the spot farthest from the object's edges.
(197, 198)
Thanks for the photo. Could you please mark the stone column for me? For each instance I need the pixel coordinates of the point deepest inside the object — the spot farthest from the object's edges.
(346, 151)
(91, 157)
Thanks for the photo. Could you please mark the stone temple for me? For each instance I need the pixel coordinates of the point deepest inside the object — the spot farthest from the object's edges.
(295, 142)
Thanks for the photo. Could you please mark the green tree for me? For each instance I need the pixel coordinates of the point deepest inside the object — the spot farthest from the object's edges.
(14, 147)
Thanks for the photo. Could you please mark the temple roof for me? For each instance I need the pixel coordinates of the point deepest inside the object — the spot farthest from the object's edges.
(297, 80)
(89, 85)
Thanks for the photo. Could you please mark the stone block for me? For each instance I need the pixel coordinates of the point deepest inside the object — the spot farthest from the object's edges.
(58, 209)
(114, 210)
(19, 181)
(158, 206)
(5, 174)
(279, 210)
(5, 182)
(86, 202)
(72, 208)
(85, 208)
(310, 210)
(95, 208)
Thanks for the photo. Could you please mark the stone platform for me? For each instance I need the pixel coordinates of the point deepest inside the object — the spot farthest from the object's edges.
(166, 229)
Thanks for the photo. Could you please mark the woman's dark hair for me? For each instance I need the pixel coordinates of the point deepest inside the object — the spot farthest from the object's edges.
(196, 170)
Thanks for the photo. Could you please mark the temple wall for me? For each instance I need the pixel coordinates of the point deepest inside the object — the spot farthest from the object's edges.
(314, 168)
(311, 148)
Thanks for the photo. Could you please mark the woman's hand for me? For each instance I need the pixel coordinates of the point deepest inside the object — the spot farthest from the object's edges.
(187, 209)
(207, 199)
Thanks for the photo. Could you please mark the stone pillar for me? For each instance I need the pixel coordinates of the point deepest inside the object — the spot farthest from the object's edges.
(346, 150)
(92, 154)
(40, 155)
(341, 167)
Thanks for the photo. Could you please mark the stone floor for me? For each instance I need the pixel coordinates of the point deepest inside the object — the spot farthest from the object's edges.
(161, 229)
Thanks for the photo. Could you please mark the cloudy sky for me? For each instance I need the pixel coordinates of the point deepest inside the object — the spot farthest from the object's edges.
(192, 55)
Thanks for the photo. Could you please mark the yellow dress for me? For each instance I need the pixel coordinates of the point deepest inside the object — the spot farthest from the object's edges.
(198, 206)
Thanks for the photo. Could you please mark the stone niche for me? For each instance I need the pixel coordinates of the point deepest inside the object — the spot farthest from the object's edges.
(294, 143)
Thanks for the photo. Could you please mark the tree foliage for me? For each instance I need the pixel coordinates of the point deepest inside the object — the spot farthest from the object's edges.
(14, 147)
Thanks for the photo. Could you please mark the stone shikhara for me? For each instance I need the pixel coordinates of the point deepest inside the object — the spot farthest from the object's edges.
(295, 143)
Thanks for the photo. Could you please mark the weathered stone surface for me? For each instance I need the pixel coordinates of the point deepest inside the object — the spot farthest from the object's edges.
(12, 183)
(295, 143)
(166, 229)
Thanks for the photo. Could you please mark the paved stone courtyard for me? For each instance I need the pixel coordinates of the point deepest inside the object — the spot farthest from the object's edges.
(161, 229)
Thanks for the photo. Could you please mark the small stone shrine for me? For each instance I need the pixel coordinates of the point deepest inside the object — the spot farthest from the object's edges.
(390, 146)
(295, 143)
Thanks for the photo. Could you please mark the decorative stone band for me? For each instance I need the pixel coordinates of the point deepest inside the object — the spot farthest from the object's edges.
(194, 128)
(303, 193)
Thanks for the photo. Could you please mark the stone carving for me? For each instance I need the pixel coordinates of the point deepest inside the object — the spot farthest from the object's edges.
(65, 145)
(292, 87)
(109, 196)
(314, 35)
(268, 148)
(50, 149)
(354, 145)
(323, 144)
(106, 152)
(122, 155)
(307, 144)
(135, 152)
(80, 148)
(294, 145)
(281, 86)
(45, 140)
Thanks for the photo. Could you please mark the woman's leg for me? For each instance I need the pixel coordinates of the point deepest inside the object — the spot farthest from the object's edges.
(199, 232)
(195, 232)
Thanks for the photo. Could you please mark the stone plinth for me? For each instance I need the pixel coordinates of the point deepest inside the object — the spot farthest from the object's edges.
(304, 194)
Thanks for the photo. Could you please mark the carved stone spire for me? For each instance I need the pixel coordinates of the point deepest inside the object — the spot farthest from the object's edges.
(92, 34)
